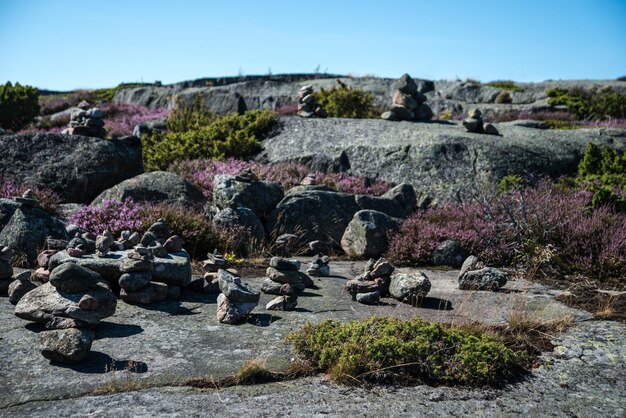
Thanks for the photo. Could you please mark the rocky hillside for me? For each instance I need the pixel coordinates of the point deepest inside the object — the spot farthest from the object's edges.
(441, 160)
(224, 95)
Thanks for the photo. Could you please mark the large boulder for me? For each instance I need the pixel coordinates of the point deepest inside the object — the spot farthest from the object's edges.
(440, 160)
(487, 278)
(27, 228)
(261, 197)
(245, 221)
(409, 287)
(367, 234)
(156, 186)
(323, 215)
(77, 167)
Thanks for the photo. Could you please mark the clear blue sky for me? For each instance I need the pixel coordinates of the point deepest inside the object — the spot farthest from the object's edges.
(66, 44)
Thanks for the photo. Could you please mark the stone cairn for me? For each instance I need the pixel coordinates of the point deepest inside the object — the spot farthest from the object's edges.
(474, 275)
(70, 305)
(318, 267)
(474, 123)
(236, 299)
(408, 102)
(87, 123)
(27, 199)
(307, 104)
(373, 284)
(210, 282)
(136, 285)
(285, 279)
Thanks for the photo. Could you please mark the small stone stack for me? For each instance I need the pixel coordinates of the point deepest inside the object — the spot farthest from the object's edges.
(87, 123)
(475, 275)
(319, 266)
(74, 301)
(246, 176)
(373, 284)
(6, 269)
(307, 104)
(236, 299)
(27, 199)
(283, 277)
(136, 285)
(408, 102)
(104, 243)
(474, 123)
(157, 235)
(212, 265)
(309, 180)
(129, 239)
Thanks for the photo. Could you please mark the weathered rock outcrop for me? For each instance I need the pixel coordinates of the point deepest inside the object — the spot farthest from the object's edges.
(156, 186)
(77, 167)
(440, 160)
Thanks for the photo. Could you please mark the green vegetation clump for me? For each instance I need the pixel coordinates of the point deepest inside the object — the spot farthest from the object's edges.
(504, 97)
(344, 101)
(106, 95)
(590, 104)
(384, 347)
(511, 182)
(18, 105)
(603, 172)
(505, 85)
(195, 133)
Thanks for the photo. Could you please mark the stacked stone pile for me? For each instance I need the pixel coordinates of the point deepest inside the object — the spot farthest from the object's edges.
(284, 278)
(318, 267)
(136, 285)
(474, 123)
(307, 104)
(475, 275)
(6, 269)
(373, 284)
(70, 305)
(210, 282)
(87, 123)
(408, 102)
(236, 299)
(20, 286)
(27, 199)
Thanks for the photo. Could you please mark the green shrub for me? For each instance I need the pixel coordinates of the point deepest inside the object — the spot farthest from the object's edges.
(506, 85)
(590, 104)
(504, 97)
(18, 105)
(382, 347)
(195, 133)
(511, 182)
(344, 101)
(602, 171)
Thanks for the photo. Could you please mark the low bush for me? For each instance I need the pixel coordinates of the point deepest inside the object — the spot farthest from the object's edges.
(602, 171)
(505, 85)
(288, 175)
(590, 104)
(48, 199)
(194, 133)
(200, 235)
(523, 225)
(18, 105)
(382, 348)
(343, 101)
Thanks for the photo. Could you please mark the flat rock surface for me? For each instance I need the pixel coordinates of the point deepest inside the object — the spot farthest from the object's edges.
(439, 160)
(145, 352)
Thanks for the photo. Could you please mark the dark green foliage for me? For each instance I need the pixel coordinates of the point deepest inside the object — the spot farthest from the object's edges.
(18, 105)
(590, 104)
(603, 172)
(506, 85)
(511, 182)
(344, 101)
(383, 347)
(194, 133)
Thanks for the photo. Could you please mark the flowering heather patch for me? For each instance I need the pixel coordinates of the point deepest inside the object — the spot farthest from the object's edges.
(112, 215)
(48, 199)
(288, 109)
(288, 175)
(519, 226)
(120, 119)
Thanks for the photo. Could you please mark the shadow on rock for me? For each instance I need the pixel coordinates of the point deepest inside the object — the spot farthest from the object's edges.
(112, 330)
(436, 303)
(261, 320)
(99, 363)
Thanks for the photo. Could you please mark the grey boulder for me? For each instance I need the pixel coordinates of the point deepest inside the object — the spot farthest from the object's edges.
(235, 290)
(260, 197)
(487, 278)
(69, 345)
(409, 287)
(367, 234)
(449, 253)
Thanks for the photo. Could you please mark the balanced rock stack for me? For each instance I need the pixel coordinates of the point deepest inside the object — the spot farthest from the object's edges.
(283, 277)
(474, 123)
(307, 104)
(74, 301)
(373, 284)
(236, 299)
(27, 199)
(318, 267)
(6, 269)
(87, 123)
(210, 282)
(408, 102)
(136, 285)
(475, 275)
(409, 287)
